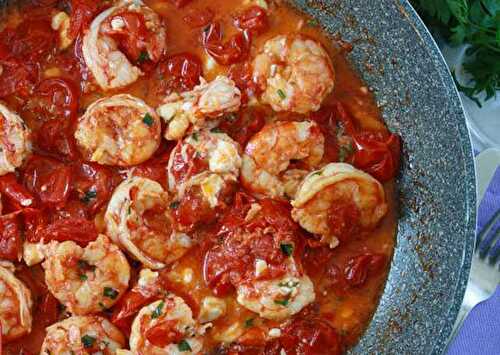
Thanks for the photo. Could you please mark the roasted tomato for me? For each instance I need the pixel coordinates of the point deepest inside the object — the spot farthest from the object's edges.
(241, 74)
(164, 333)
(55, 98)
(82, 13)
(48, 179)
(15, 194)
(253, 19)
(235, 50)
(360, 267)
(57, 138)
(10, 237)
(343, 219)
(180, 3)
(243, 125)
(378, 154)
(128, 306)
(179, 72)
(199, 17)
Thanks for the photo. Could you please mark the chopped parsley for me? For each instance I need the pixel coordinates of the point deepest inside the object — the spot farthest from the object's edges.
(281, 94)
(110, 292)
(216, 130)
(249, 323)
(195, 136)
(88, 341)
(83, 277)
(317, 173)
(344, 151)
(231, 117)
(83, 265)
(174, 205)
(143, 56)
(148, 119)
(89, 195)
(283, 302)
(312, 22)
(184, 346)
(287, 249)
(158, 310)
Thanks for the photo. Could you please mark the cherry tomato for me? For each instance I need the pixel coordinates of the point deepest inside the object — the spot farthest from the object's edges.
(18, 77)
(179, 72)
(358, 268)
(48, 179)
(33, 40)
(235, 50)
(164, 333)
(241, 74)
(35, 220)
(128, 305)
(47, 311)
(79, 230)
(253, 19)
(243, 125)
(155, 168)
(186, 163)
(82, 13)
(199, 17)
(18, 197)
(192, 210)
(180, 3)
(57, 138)
(132, 37)
(216, 272)
(310, 337)
(378, 154)
(10, 237)
(56, 98)
(343, 219)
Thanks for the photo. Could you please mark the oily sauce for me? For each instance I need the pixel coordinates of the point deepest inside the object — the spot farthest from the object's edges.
(50, 88)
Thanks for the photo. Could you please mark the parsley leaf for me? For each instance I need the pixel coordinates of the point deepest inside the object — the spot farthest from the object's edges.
(148, 119)
(143, 56)
(281, 94)
(287, 249)
(249, 323)
(158, 310)
(174, 205)
(472, 22)
(89, 195)
(110, 292)
(283, 302)
(184, 346)
(88, 341)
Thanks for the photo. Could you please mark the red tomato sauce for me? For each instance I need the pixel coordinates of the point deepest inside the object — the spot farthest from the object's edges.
(50, 88)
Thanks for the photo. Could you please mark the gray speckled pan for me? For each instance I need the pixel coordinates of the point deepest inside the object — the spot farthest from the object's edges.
(437, 192)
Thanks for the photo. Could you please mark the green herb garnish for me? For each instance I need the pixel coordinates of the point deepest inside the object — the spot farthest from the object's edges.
(472, 22)
(283, 302)
(216, 130)
(281, 94)
(158, 310)
(148, 119)
(287, 249)
(174, 205)
(110, 292)
(184, 346)
(83, 277)
(143, 56)
(88, 341)
(195, 136)
(345, 151)
(312, 22)
(249, 323)
(89, 195)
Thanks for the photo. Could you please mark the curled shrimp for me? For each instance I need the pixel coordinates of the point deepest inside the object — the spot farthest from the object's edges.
(337, 202)
(198, 108)
(268, 155)
(110, 67)
(15, 140)
(294, 73)
(165, 327)
(82, 335)
(118, 130)
(86, 280)
(15, 306)
(138, 218)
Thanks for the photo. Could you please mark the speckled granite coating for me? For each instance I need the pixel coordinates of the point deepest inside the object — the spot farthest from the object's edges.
(399, 59)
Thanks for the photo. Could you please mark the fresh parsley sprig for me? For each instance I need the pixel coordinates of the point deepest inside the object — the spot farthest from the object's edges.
(472, 22)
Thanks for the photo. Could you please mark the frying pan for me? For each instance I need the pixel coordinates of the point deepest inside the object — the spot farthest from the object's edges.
(437, 200)
(437, 203)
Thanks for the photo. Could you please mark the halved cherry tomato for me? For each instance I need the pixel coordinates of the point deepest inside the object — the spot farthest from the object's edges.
(358, 268)
(47, 311)
(235, 50)
(79, 230)
(216, 272)
(126, 308)
(343, 219)
(378, 154)
(48, 179)
(17, 196)
(241, 74)
(56, 98)
(18, 77)
(82, 13)
(57, 138)
(199, 17)
(35, 220)
(164, 333)
(193, 209)
(32, 40)
(179, 72)
(243, 125)
(10, 237)
(253, 19)
(310, 337)
(155, 168)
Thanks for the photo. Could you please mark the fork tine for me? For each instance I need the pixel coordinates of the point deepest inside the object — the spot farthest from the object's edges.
(494, 252)
(484, 238)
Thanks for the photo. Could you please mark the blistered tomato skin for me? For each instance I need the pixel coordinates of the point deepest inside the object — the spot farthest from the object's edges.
(234, 50)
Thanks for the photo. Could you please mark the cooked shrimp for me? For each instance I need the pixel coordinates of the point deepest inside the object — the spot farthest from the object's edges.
(82, 335)
(165, 327)
(294, 73)
(138, 218)
(15, 306)
(15, 140)
(118, 130)
(338, 201)
(204, 167)
(110, 67)
(268, 155)
(86, 280)
(276, 298)
(200, 107)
